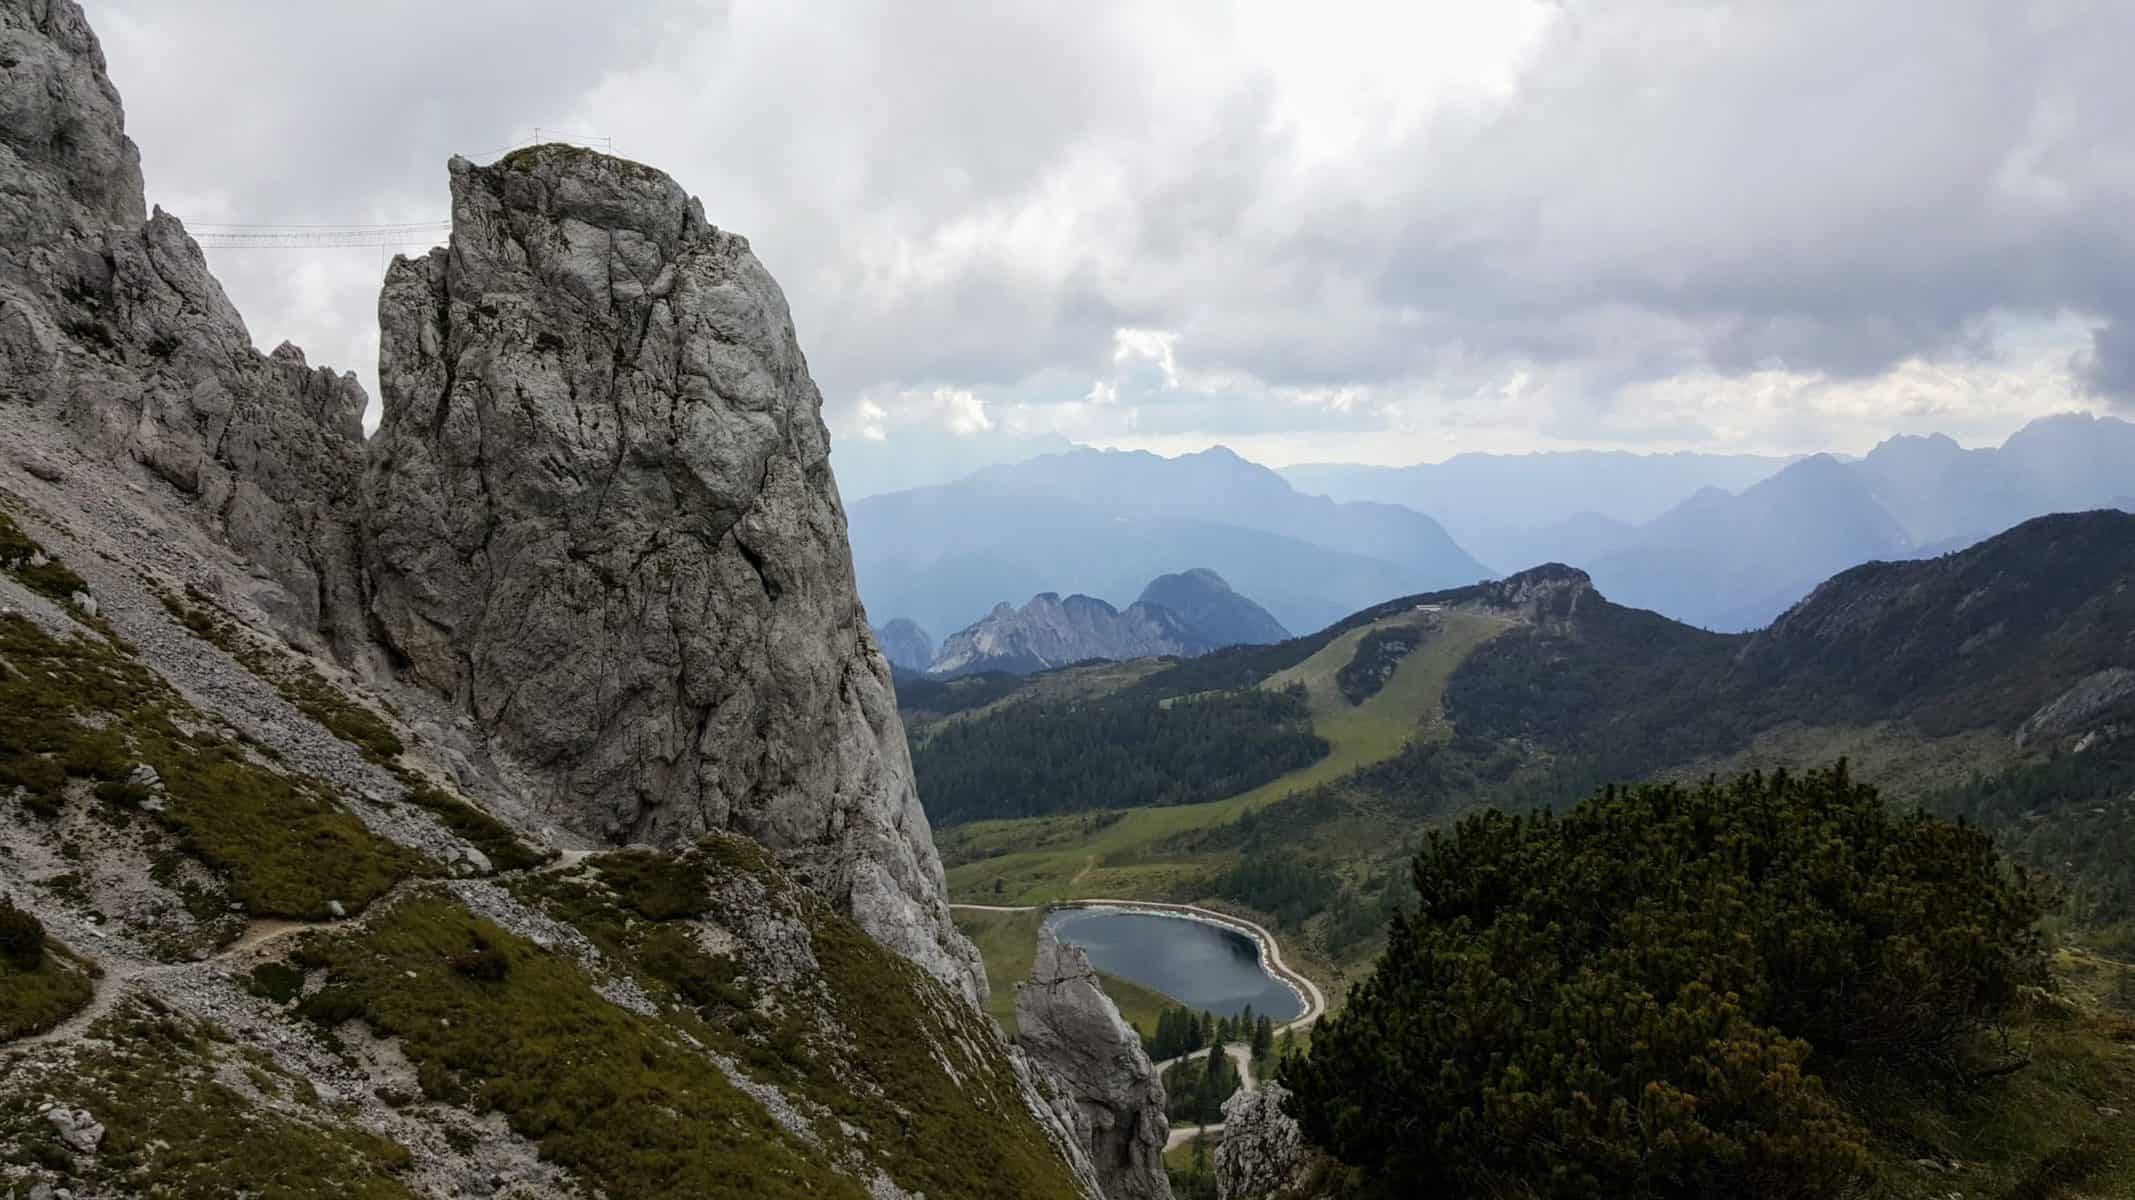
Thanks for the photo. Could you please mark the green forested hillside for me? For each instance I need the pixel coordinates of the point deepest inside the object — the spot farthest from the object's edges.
(1119, 751)
(1925, 671)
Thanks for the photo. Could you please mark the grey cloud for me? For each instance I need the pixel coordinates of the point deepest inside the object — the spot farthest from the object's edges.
(2109, 370)
(1829, 187)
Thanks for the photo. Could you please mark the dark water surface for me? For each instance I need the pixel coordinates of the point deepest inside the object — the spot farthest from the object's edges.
(1199, 964)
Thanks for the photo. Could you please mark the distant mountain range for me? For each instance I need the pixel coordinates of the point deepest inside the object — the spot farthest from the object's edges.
(1724, 542)
(1727, 542)
(1736, 561)
(1185, 614)
(1515, 510)
(1103, 522)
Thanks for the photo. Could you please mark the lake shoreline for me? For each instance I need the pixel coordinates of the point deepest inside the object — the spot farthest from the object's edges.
(1312, 1002)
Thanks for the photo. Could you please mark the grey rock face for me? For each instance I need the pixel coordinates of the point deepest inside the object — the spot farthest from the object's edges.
(601, 514)
(1547, 596)
(600, 517)
(1051, 632)
(2091, 701)
(111, 326)
(1073, 1033)
(1263, 1150)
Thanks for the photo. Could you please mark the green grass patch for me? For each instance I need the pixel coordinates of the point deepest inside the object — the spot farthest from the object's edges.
(2039, 1134)
(496, 840)
(71, 708)
(172, 1129)
(303, 687)
(966, 1136)
(1133, 854)
(631, 1102)
(621, 1098)
(866, 1040)
(36, 998)
(19, 555)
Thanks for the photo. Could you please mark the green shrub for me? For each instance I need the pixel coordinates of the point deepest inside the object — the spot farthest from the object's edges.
(1642, 998)
(21, 937)
(51, 578)
(41, 984)
(482, 962)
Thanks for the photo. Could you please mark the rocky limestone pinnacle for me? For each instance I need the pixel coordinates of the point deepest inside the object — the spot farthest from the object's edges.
(599, 516)
(1073, 1033)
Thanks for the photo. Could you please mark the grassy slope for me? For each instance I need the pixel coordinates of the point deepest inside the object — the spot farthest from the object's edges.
(1044, 859)
(1899, 760)
(2044, 1133)
(1009, 943)
(34, 1000)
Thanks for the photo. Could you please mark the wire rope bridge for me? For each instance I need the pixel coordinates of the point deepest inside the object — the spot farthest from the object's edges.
(410, 235)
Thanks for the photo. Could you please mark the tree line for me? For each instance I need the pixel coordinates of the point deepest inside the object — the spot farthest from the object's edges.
(1118, 751)
(1181, 1030)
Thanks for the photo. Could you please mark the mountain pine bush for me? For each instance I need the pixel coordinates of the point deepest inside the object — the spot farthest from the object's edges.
(1645, 997)
(21, 937)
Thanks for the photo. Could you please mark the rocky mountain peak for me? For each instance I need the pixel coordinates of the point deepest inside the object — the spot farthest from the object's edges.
(906, 644)
(1550, 592)
(589, 584)
(1188, 613)
(61, 125)
(117, 333)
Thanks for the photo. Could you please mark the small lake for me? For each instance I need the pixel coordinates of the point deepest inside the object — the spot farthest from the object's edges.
(1197, 963)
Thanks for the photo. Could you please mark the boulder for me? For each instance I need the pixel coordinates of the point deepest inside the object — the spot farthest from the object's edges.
(76, 1128)
(1263, 1150)
(1114, 1099)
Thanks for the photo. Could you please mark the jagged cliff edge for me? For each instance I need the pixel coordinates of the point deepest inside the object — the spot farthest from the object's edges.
(592, 570)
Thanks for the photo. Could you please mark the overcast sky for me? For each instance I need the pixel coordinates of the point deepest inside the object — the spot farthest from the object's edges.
(1330, 231)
